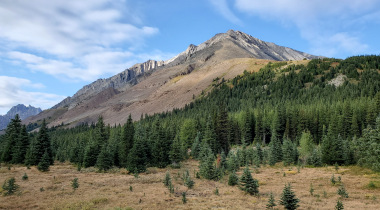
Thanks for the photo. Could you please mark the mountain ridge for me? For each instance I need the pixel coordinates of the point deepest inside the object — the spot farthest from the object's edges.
(141, 88)
(20, 109)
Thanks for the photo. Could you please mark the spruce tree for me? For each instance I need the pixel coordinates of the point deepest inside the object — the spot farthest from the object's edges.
(104, 160)
(288, 198)
(138, 157)
(196, 147)
(43, 145)
(249, 184)
(288, 152)
(275, 150)
(10, 186)
(233, 179)
(127, 141)
(44, 163)
(339, 205)
(91, 153)
(207, 168)
(12, 136)
(176, 153)
(271, 202)
(21, 146)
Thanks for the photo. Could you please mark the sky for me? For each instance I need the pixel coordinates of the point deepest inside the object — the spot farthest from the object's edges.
(50, 49)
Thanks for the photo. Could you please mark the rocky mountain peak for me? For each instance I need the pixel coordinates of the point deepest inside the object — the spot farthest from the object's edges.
(20, 109)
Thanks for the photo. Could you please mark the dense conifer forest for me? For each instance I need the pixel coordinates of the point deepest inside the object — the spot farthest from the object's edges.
(283, 113)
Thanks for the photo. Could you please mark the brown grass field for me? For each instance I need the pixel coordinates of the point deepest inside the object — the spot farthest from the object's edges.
(112, 190)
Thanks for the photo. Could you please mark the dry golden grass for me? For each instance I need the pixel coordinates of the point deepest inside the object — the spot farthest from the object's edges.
(111, 190)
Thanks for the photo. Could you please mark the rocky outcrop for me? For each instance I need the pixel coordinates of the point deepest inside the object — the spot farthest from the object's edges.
(121, 81)
(22, 110)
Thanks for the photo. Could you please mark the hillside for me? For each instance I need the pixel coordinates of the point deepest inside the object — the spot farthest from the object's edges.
(154, 87)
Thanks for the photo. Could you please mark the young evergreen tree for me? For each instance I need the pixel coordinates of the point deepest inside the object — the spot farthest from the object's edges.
(161, 146)
(248, 183)
(275, 150)
(21, 146)
(127, 141)
(306, 144)
(288, 152)
(339, 205)
(44, 163)
(12, 135)
(104, 160)
(196, 147)
(288, 198)
(271, 202)
(43, 145)
(91, 153)
(176, 153)
(233, 179)
(207, 168)
(138, 157)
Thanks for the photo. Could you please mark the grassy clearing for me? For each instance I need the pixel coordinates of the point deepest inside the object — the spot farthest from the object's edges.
(113, 190)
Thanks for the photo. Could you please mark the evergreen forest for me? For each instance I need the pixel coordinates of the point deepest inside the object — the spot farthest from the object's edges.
(284, 113)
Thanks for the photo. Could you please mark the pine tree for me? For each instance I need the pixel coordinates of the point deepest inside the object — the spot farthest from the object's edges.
(339, 205)
(138, 157)
(207, 168)
(91, 153)
(196, 147)
(271, 202)
(176, 153)
(249, 184)
(288, 198)
(21, 146)
(44, 163)
(12, 135)
(43, 145)
(275, 150)
(10, 186)
(127, 141)
(167, 180)
(161, 146)
(210, 136)
(288, 152)
(306, 144)
(104, 161)
(233, 179)
(75, 184)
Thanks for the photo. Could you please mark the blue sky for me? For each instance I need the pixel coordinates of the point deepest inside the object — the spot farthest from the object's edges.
(50, 49)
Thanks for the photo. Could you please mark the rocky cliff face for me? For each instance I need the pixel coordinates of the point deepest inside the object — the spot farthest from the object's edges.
(22, 110)
(121, 81)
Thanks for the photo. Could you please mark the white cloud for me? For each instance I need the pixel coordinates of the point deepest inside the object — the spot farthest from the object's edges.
(222, 7)
(330, 26)
(12, 93)
(72, 39)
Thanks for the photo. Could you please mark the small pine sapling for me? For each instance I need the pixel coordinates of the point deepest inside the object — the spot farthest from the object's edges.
(216, 192)
(311, 189)
(233, 179)
(184, 200)
(167, 179)
(271, 202)
(336, 167)
(249, 184)
(339, 205)
(288, 198)
(75, 184)
(333, 181)
(10, 186)
(130, 188)
(342, 192)
(25, 177)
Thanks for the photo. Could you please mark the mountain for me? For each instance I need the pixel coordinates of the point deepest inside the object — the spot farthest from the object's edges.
(22, 110)
(157, 86)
